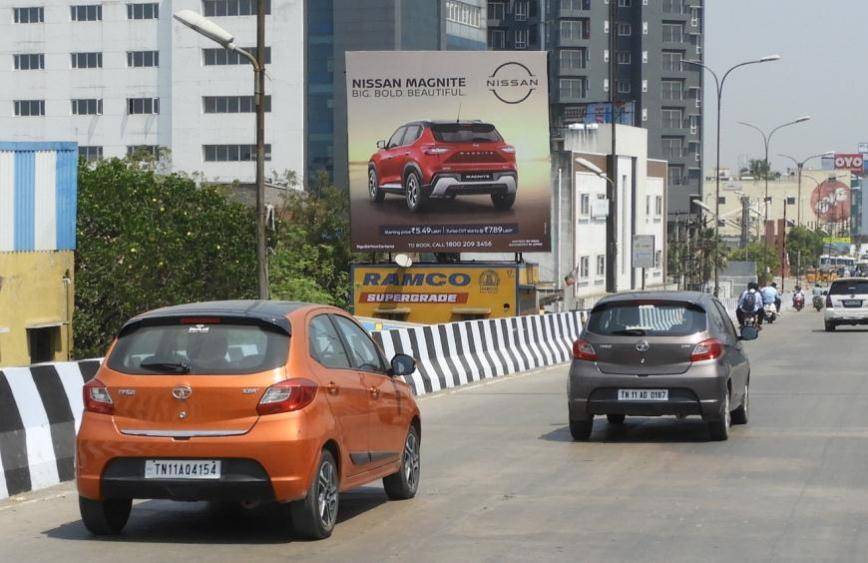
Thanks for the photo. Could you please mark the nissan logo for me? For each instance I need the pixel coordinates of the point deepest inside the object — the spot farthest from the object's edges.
(182, 392)
(512, 82)
(642, 346)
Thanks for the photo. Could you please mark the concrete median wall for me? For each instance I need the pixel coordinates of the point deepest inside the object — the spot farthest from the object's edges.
(41, 405)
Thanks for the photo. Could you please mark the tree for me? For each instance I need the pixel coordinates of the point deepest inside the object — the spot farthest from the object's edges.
(766, 258)
(147, 240)
(311, 259)
(804, 248)
(759, 169)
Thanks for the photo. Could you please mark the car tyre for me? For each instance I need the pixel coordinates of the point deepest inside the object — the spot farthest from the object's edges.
(742, 413)
(375, 194)
(616, 418)
(581, 429)
(314, 517)
(502, 202)
(104, 517)
(414, 193)
(719, 429)
(404, 483)
(830, 327)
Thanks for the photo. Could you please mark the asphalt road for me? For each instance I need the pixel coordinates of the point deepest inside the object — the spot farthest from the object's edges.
(502, 481)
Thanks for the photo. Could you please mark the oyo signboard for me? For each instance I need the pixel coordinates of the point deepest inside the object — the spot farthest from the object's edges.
(852, 162)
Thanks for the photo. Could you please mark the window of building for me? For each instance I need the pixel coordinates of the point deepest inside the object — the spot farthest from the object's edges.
(219, 57)
(673, 118)
(140, 106)
(673, 147)
(575, 5)
(29, 15)
(647, 206)
(574, 30)
(624, 3)
(496, 10)
(30, 61)
(584, 204)
(90, 153)
(658, 205)
(695, 120)
(625, 57)
(673, 32)
(673, 7)
(29, 108)
(233, 153)
(676, 174)
(571, 59)
(137, 59)
(584, 267)
(86, 13)
(149, 11)
(232, 104)
(522, 10)
(43, 343)
(89, 106)
(212, 8)
(625, 29)
(572, 87)
(672, 61)
(624, 87)
(86, 60)
(521, 38)
(672, 90)
(463, 13)
(496, 39)
(601, 264)
(140, 151)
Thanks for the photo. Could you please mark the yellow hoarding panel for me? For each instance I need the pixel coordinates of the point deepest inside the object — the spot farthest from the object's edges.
(435, 293)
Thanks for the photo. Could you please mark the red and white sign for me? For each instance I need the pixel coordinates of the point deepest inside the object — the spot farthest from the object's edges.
(830, 201)
(848, 162)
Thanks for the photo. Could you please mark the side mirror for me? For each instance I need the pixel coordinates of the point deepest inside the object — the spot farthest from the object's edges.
(749, 333)
(402, 364)
(381, 144)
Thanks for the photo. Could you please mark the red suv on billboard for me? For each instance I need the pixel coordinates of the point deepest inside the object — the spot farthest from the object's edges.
(441, 160)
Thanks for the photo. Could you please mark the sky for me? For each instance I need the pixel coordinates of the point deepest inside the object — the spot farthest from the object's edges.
(824, 45)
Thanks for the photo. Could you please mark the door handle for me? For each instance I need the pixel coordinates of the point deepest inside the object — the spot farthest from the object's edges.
(375, 393)
(332, 388)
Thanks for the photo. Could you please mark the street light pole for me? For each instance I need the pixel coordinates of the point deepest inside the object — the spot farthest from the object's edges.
(767, 139)
(719, 82)
(212, 31)
(800, 164)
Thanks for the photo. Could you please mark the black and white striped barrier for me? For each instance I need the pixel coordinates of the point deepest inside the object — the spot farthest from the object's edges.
(455, 354)
(40, 412)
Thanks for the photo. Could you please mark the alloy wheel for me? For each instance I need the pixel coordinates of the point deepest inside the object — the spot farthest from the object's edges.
(327, 494)
(372, 183)
(412, 191)
(411, 461)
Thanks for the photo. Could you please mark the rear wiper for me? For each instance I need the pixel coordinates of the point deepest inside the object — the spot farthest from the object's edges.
(630, 332)
(171, 367)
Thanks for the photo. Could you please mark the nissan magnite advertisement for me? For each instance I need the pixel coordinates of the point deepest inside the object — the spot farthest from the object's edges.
(449, 151)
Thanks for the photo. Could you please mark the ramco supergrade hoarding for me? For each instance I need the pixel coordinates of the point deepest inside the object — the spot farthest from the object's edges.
(448, 151)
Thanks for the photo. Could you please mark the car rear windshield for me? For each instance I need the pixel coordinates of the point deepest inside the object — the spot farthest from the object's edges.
(465, 133)
(199, 349)
(851, 287)
(647, 318)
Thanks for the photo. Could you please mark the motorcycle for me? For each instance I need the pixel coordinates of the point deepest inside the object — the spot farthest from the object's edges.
(819, 301)
(798, 302)
(771, 312)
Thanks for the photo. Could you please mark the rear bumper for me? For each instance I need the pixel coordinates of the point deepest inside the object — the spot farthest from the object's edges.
(698, 391)
(446, 184)
(843, 315)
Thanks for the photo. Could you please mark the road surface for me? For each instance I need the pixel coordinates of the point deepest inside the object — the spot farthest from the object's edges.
(502, 481)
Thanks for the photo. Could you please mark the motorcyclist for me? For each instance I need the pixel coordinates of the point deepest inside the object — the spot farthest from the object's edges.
(750, 303)
(798, 295)
(771, 296)
(817, 291)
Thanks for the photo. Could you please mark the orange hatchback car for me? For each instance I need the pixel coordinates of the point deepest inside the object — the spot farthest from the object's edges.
(245, 401)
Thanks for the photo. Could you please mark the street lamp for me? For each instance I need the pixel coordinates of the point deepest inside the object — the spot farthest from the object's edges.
(800, 164)
(720, 83)
(767, 138)
(211, 30)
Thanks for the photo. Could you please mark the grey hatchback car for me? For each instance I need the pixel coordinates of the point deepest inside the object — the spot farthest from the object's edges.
(659, 353)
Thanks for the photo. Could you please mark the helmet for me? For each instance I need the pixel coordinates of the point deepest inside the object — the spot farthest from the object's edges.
(798, 288)
(774, 284)
(752, 285)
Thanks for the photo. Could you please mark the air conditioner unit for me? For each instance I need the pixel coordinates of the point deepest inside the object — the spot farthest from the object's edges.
(599, 209)
(697, 157)
(699, 102)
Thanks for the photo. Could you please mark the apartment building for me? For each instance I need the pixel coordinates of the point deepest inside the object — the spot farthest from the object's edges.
(122, 77)
(653, 89)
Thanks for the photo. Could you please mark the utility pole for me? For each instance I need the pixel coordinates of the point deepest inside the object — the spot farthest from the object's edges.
(612, 192)
(784, 247)
(745, 221)
(259, 71)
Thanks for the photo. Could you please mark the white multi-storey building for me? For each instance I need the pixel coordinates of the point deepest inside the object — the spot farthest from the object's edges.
(120, 76)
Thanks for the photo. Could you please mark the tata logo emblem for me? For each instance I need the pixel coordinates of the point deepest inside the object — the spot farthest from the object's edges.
(489, 281)
(182, 392)
(642, 346)
(512, 82)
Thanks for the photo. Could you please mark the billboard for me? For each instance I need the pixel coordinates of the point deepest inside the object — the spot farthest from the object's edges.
(851, 162)
(830, 202)
(448, 152)
(435, 293)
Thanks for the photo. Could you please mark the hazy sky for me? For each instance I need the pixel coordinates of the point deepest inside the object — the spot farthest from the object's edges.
(824, 45)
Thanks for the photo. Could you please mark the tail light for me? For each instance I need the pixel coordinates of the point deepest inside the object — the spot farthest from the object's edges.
(582, 350)
(508, 149)
(710, 349)
(286, 396)
(829, 301)
(97, 398)
(436, 150)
